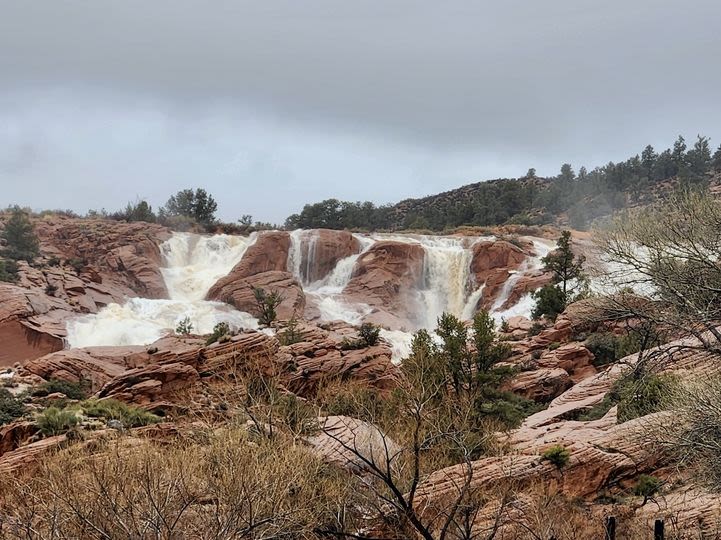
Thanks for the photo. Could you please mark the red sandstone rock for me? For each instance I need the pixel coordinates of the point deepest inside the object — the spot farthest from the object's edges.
(385, 278)
(324, 249)
(151, 385)
(238, 292)
(124, 256)
(95, 364)
(491, 263)
(268, 253)
(20, 339)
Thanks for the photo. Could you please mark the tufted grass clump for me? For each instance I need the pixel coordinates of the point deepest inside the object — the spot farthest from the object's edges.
(73, 390)
(112, 409)
(54, 421)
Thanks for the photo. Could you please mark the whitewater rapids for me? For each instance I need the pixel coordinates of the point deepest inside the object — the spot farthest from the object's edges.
(193, 264)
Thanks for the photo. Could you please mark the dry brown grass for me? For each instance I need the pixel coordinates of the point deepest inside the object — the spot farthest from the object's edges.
(226, 486)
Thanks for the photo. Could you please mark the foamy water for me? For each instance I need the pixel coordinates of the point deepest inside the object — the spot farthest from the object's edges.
(193, 264)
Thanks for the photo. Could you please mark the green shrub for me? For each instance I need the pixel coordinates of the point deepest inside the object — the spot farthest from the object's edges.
(369, 334)
(185, 327)
(54, 421)
(646, 395)
(112, 409)
(266, 304)
(635, 397)
(291, 334)
(647, 486)
(553, 346)
(557, 455)
(550, 302)
(21, 242)
(76, 264)
(219, 330)
(505, 327)
(536, 328)
(73, 390)
(8, 271)
(604, 346)
(10, 407)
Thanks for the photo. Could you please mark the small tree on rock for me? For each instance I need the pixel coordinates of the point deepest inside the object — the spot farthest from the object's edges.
(267, 303)
(569, 281)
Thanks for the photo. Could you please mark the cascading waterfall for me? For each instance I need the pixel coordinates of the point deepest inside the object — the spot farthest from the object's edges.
(526, 303)
(328, 291)
(446, 278)
(193, 264)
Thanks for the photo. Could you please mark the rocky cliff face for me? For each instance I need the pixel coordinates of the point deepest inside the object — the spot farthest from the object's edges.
(85, 265)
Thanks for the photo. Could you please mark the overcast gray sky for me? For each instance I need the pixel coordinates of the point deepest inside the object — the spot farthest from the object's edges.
(272, 104)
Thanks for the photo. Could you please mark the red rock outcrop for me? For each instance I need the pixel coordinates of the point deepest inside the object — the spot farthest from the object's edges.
(238, 292)
(264, 265)
(95, 364)
(269, 252)
(384, 278)
(15, 434)
(491, 265)
(21, 338)
(322, 249)
(151, 386)
(119, 255)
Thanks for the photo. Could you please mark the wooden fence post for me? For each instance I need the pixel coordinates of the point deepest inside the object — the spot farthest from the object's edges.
(610, 528)
(658, 530)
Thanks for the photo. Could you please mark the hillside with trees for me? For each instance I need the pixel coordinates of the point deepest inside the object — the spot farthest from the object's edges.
(574, 198)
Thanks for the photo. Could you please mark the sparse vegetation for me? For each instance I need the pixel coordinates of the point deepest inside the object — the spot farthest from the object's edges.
(55, 421)
(184, 327)
(8, 271)
(569, 280)
(111, 409)
(266, 305)
(220, 330)
(72, 390)
(188, 207)
(11, 407)
(291, 334)
(369, 334)
(646, 487)
(18, 235)
(557, 455)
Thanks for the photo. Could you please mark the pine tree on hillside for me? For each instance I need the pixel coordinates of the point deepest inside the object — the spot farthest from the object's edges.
(19, 237)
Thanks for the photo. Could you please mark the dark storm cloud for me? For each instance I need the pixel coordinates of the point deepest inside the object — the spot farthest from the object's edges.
(507, 84)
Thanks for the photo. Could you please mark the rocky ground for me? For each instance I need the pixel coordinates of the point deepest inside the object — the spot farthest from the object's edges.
(88, 264)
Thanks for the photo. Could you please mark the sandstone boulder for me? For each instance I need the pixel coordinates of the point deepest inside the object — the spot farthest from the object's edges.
(491, 265)
(238, 292)
(385, 278)
(322, 249)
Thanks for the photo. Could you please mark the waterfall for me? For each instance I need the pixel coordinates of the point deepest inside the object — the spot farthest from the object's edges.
(526, 303)
(446, 278)
(295, 254)
(328, 291)
(193, 264)
(302, 254)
